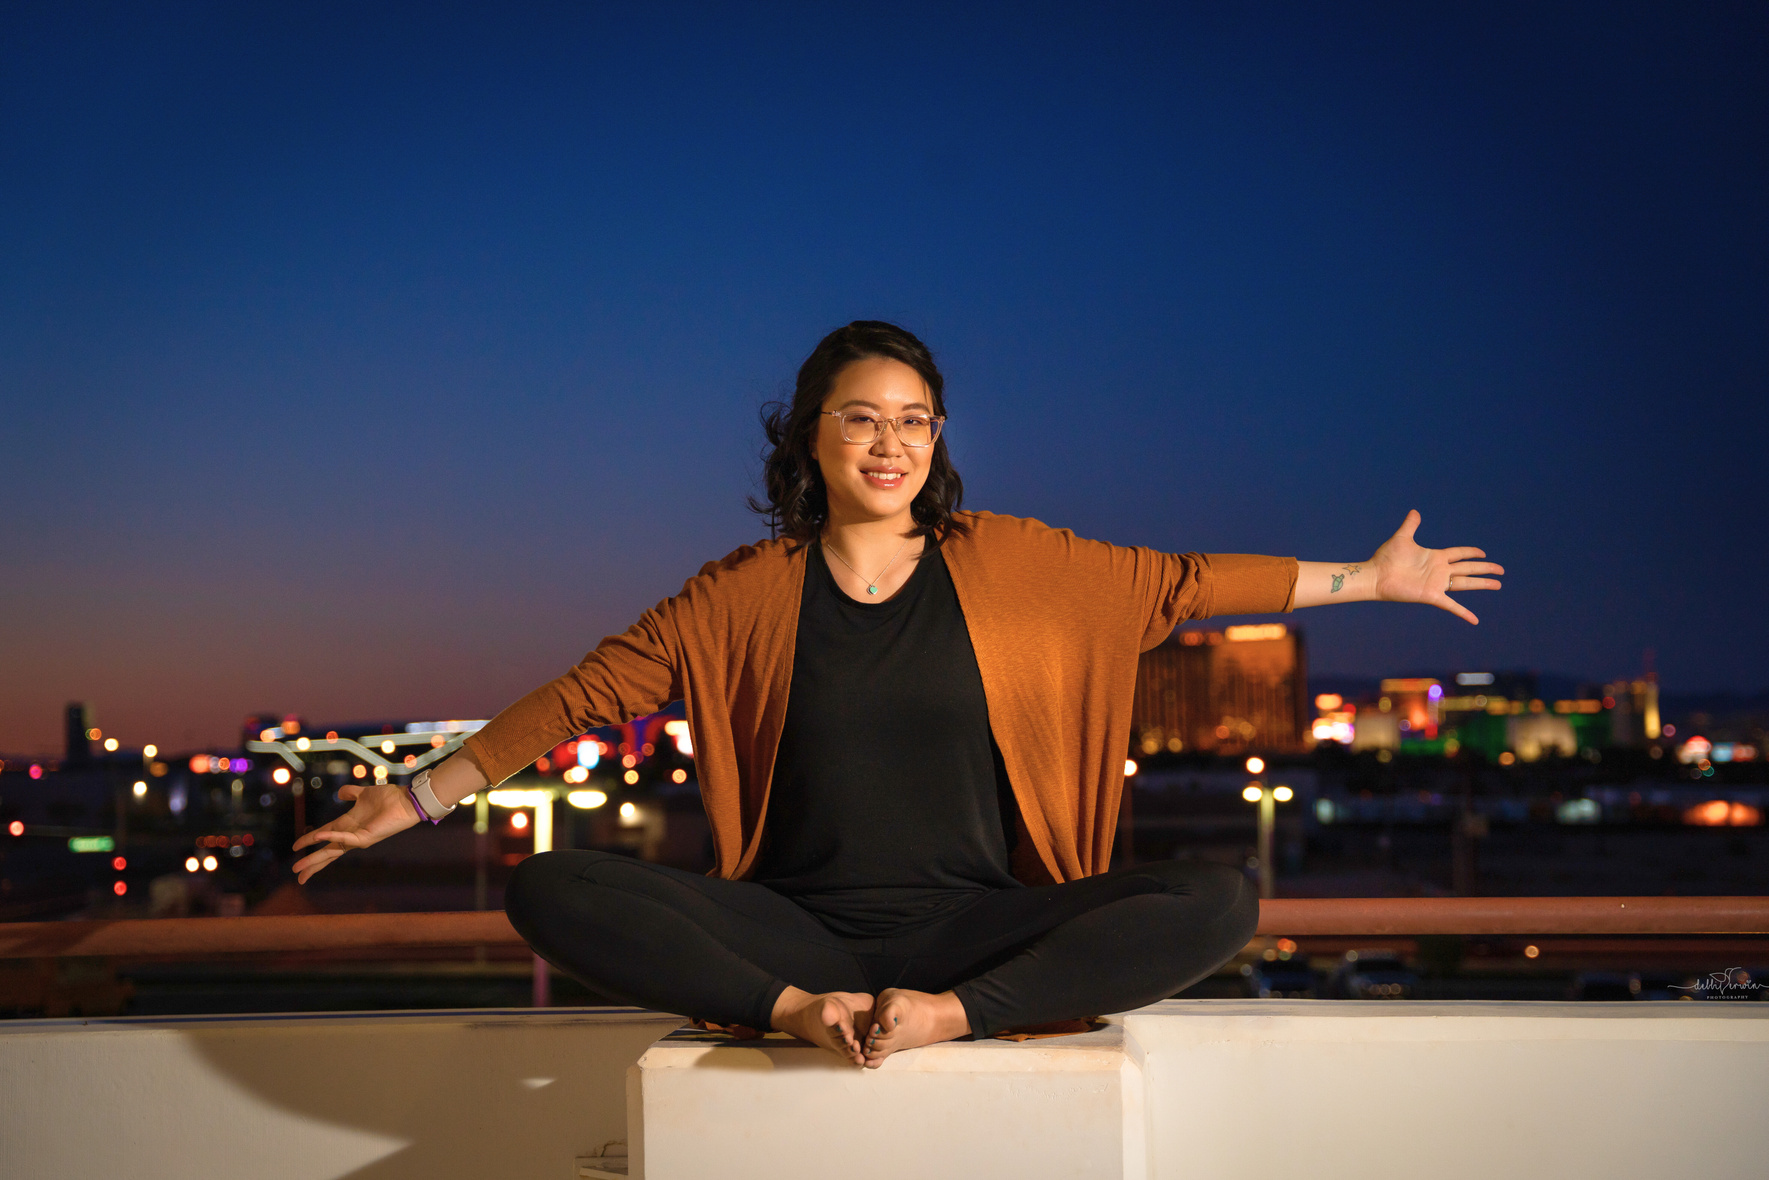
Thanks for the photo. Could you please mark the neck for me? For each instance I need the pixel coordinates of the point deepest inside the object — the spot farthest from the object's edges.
(869, 544)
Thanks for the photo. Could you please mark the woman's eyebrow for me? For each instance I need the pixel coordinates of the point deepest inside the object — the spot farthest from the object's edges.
(855, 401)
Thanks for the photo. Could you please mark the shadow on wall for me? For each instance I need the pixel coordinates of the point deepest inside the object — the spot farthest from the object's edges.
(375, 1097)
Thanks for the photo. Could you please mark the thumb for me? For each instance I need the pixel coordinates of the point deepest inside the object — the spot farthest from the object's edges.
(350, 792)
(1409, 526)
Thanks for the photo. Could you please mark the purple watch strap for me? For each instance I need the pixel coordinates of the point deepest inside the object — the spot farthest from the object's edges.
(412, 794)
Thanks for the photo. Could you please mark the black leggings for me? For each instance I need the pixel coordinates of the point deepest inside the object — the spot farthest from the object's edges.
(720, 950)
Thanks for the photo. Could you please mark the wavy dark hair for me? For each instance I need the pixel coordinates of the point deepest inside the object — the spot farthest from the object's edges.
(796, 504)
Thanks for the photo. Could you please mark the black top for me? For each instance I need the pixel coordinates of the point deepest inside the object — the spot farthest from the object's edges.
(890, 805)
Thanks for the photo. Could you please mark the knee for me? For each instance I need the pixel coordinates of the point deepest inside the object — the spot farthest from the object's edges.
(1242, 914)
(541, 881)
(1222, 891)
(537, 879)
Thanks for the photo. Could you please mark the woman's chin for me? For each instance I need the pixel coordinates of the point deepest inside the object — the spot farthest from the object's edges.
(871, 503)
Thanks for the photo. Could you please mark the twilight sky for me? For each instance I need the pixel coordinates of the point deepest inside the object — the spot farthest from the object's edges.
(374, 360)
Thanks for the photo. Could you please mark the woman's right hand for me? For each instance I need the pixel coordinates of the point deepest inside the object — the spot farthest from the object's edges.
(381, 811)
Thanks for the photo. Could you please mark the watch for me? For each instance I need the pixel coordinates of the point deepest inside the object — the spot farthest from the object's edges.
(425, 800)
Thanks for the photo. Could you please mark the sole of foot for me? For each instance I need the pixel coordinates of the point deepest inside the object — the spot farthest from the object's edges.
(832, 1020)
(909, 1020)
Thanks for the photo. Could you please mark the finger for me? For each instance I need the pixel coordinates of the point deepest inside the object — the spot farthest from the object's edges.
(307, 839)
(1410, 525)
(1463, 583)
(331, 851)
(349, 792)
(1455, 608)
(1476, 567)
(337, 835)
(1462, 553)
(307, 866)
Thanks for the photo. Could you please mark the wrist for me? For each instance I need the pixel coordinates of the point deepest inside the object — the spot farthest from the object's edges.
(457, 777)
(424, 800)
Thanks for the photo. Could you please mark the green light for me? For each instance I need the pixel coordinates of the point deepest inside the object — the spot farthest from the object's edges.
(91, 844)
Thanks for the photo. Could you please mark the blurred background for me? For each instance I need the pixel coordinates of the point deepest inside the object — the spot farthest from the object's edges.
(363, 365)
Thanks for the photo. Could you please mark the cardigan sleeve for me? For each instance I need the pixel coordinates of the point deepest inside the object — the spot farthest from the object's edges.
(627, 676)
(1182, 586)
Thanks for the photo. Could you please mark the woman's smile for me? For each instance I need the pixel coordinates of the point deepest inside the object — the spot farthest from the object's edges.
(876, 480)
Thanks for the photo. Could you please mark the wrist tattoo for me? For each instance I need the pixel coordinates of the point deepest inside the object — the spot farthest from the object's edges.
(1339, 579)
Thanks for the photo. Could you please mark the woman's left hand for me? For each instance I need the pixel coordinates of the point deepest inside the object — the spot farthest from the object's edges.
(1406, 571)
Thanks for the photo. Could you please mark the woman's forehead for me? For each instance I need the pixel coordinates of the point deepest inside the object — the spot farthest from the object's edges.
(878, 383)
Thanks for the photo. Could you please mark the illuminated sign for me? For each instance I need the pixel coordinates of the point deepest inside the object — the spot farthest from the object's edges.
(1467, 678)
(91, 844)
(1255, 631)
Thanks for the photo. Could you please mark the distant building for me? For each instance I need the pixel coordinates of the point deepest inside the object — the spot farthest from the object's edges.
(1633, 704)
(1496, 714)
(1229, 691)
(79, 733)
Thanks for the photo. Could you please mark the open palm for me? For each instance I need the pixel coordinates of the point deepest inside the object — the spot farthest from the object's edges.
(380, 811)
(1408, 572)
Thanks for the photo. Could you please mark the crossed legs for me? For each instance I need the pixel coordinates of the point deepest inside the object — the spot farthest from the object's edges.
(738, 953)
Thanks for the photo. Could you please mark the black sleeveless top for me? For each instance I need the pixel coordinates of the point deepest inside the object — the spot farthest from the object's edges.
(890, 806)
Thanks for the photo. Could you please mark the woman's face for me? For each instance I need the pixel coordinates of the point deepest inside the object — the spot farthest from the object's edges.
(877, 480)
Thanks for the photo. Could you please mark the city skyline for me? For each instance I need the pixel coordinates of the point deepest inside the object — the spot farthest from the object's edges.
(379, 362)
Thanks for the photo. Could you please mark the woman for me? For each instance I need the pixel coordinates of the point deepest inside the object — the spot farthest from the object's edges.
(909, 724)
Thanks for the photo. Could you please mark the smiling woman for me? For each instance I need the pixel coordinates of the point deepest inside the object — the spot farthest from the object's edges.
(912, 775)
(855, 378)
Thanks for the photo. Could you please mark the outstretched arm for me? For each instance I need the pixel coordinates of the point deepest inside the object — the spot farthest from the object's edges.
(380, 810)
(1402, 570)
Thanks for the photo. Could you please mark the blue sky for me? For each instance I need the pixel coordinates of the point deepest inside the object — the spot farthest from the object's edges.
(376, 360)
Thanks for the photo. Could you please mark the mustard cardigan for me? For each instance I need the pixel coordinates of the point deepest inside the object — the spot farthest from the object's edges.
(1057, 622)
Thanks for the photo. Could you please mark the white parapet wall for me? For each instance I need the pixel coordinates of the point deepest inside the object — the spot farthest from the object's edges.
(703, 1106)
(1223, 1089)
(1215, 1089)
(383, 1095)
(1454, 1090)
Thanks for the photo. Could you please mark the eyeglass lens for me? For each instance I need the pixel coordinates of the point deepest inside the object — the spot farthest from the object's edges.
(915, 430)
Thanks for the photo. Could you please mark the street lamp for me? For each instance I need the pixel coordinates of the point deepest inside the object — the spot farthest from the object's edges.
(1268, 798)
(541, 799)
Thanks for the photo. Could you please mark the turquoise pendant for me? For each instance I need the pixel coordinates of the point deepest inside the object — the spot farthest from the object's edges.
(872, 589)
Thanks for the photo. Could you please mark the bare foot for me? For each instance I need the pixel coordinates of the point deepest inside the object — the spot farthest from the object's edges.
(908, 1020)
(832, 1020)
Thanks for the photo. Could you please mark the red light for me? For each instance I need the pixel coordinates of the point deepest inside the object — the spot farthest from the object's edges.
(16, 827)
(36, 771)
(248, 840)
(119, 864)
(119, 888)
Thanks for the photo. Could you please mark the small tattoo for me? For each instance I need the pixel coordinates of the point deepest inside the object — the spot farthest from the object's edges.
(1338, 581)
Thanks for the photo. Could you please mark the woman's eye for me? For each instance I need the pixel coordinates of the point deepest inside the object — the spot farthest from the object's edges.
(917, 422)
(862, 420)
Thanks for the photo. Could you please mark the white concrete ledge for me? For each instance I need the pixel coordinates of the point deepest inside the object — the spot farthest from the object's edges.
(1216, 1089)
(1231, 1088)
(1066, 1106)
(476, 1093)
(1454, 1089)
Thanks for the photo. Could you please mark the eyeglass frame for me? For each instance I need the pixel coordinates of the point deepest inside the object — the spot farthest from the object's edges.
(896, 424)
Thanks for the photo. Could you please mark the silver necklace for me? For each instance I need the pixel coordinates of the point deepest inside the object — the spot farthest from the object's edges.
(872, 586)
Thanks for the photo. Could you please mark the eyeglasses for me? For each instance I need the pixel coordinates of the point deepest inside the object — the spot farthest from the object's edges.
(864, 426)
